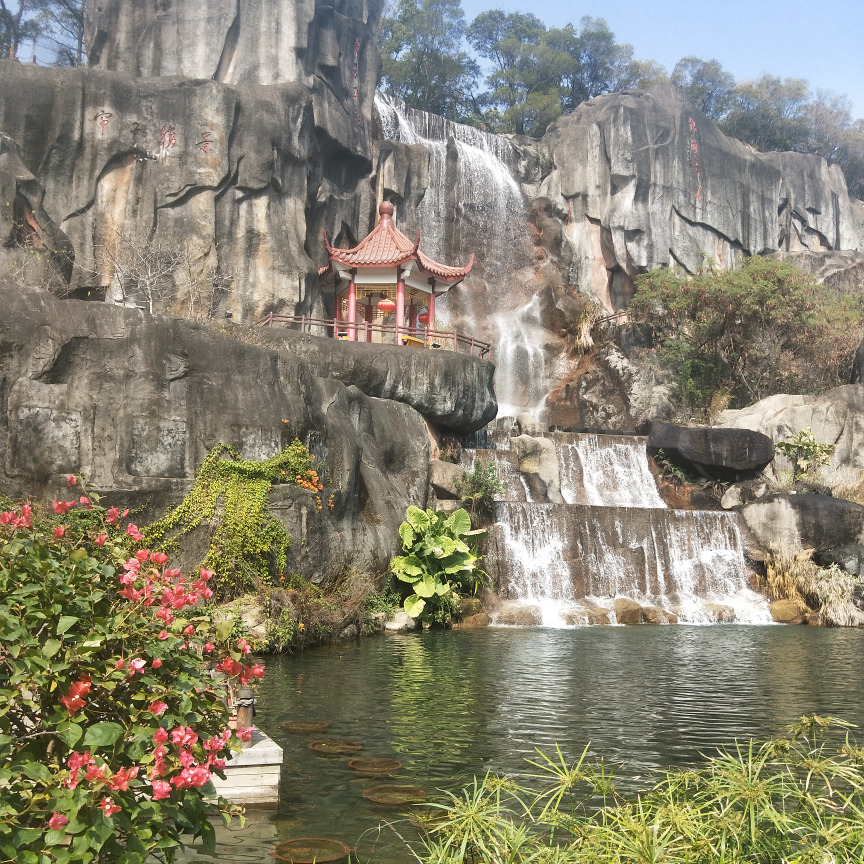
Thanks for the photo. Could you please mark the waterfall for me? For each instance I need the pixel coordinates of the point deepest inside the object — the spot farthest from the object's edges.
(489, 195)
(473, 204)
(615, 538)
(613, 473)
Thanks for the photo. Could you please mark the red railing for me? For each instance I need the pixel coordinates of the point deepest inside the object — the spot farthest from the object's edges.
(364, 331)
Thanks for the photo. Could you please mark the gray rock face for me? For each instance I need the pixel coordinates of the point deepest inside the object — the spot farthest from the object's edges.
(539, 456)
(661, 185)
(136, 401)
(836, 417)
(721, 453)
(452, 390)
(608, 393)
(799, 522)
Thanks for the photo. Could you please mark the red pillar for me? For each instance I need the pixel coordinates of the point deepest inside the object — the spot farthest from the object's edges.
(352, 310)
(400, 308)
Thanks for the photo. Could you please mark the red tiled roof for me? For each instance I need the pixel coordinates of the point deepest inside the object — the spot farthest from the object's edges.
(387, 246)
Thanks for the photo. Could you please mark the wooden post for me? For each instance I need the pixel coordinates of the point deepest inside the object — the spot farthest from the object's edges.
(430, 324)
(245, 708)
(368, 312)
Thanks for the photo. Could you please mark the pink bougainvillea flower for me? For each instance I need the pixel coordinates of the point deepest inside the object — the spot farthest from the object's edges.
(59, 531)
(100, 540)
(137, 665)
(108, 807)
(188, 630)
(157, 662)
(71, 479)
(160, 736)
(184, 736)
(120, 664)
(209, 646)
(161, 789)
(112, 515)
(186, 758)
(206, 574)
(244, 733)
(58, 821)
(73, 701)
(7, 517)
(120, 781)
(158, 558)
(85, 501)
(142, 554)
(94, 772)
(61, 507)
(163, 634)
(158, 708)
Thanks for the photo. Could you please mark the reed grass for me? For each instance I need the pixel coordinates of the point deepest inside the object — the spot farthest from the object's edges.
(795, 799)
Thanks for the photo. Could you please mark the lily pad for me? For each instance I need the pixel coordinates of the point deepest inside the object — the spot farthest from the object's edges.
(394, 795)
(310, 850)
(335, 747)
(304, 727)
(375, 766)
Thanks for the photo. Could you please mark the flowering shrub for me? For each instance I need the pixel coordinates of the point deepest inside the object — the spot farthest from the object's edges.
(109, 729)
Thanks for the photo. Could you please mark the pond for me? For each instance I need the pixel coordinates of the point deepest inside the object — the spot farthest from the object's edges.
(452, 705)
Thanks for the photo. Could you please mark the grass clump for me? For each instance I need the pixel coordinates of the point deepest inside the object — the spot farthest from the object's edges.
(795, 576)
(796, 799)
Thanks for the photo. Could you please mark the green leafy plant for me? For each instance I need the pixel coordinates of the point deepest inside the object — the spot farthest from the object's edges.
(439, 560)
(479, 489)
(110, 728)
(247, 543)
(805, 454)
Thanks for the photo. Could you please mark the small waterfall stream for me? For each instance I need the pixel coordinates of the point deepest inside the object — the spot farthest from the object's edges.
(614, 537)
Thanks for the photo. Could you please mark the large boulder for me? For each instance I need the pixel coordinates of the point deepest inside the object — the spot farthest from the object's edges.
(835, 417)
(797, 522)
(539, 456)
(662, 186)
(723, 454)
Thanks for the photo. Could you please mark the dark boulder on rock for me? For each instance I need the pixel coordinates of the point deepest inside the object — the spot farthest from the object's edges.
(723, 454)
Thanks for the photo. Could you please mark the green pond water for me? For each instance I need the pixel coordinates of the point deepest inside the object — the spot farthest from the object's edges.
(452, 705)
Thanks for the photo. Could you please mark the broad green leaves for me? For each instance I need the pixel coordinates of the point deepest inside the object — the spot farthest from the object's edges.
(439, 561)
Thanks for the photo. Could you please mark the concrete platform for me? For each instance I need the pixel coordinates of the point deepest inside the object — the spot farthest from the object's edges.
(252, 776)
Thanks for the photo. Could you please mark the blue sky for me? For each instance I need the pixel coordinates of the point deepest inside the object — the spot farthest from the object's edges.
(820, 42)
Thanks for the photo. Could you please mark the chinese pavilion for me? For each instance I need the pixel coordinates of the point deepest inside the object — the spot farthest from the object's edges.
(387, 274)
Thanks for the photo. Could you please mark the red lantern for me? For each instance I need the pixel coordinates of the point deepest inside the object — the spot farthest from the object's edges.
(386, 305)
(423, 318)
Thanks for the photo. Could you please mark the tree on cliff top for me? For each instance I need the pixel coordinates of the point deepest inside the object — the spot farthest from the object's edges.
(422, 61)
(765, 327)
(55, 25)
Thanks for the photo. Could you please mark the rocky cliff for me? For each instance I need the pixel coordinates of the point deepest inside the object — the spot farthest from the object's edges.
(135, 402)
(215, 142)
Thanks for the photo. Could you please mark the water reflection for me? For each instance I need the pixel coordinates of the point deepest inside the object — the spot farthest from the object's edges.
(451, 705)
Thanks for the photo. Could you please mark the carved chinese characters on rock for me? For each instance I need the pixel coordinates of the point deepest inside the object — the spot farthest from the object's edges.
(205, 144)
(103, 118)
(693, 157)
(167, 140)
(355, 84)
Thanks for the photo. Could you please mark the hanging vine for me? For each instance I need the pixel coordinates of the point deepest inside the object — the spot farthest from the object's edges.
(247, 542)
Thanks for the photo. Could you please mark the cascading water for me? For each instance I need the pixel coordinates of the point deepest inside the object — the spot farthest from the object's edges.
(611, 473)
(616, 538)
(489, 194)
(474, 200)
